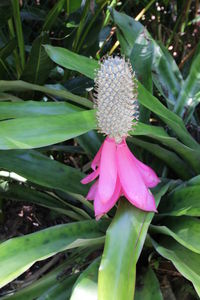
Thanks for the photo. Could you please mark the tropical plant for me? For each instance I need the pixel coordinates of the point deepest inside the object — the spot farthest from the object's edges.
(48, 138)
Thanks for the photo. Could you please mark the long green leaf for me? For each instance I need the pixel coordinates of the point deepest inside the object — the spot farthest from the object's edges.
(19, 254)
(29, 109)
(19, 32)
(40, 286)
(183, 201)
(160, 135)
(124, 242)
(39, 65)
(72, 61)
(52, 15)
(186, 262)
(27, 133)
(185, 230)
(149, 288)
(22, 86)
(170, 118)
(190, 87)
(168, 157)
(59, 291)
(43, 171)
(23, 193)
(86, 285)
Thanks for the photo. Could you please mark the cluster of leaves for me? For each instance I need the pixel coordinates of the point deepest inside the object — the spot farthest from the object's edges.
(47, 136)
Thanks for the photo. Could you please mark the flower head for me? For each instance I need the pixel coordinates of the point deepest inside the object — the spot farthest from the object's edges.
(116, 102)
(117, 170)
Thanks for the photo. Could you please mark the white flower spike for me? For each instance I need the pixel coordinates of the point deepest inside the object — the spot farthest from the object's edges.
(116, 98)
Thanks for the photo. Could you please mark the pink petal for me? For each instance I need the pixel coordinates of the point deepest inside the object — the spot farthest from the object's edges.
(92, 192)
(108, 171)
(147, 205)
(96, 159)
(149, 176)
(101, 208)
(92, 176)
(131, 180)
(151, 204)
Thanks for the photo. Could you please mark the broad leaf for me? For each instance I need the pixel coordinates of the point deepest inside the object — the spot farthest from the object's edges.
(172, 160)
(19, 254)
(22, 86)
(186, 262)
(183, 201)
(72, 61)
(185, 230)
(124, 242)
(9, 110)
(86, 285)
(19, 192)
(42, 285)
(43, 171)
(189, 89)
(148, 287)
(27, 133)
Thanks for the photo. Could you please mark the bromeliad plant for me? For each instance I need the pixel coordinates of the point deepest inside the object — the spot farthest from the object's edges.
(51, 140)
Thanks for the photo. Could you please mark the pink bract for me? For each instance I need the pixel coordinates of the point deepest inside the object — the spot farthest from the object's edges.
(120, 173)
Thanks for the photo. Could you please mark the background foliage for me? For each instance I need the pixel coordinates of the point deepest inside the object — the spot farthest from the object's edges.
(51, 246)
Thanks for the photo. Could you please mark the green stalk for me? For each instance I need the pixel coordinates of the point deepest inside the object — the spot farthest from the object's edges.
(81, 26)
(19, 32)
(90, 26)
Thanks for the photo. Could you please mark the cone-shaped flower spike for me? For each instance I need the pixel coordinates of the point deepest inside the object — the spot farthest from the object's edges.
(117, 169)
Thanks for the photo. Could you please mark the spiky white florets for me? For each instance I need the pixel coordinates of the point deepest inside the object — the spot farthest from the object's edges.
(116, 102)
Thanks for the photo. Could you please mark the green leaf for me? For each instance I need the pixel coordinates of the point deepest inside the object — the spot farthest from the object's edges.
(19, 254)
(90, 142)
(185, 261)
(170, 118)
(124, 242)
(128, 30)
(52, 15)
(59, 291)
(184, 201)
(141, 60)
(86, 285)
(149, 287)
(42, 170)
(72, 61)
(8, 48)
(166, 74)
(9, 97)
(190, 87)
(40, 286)
(164, 77)
(19, 32)
(27, 133)
(39, 65)
(72, 6)
(29, 109)
(22, 86)
(185, 230)
(160, 135)
(19, 192)
(172, 160)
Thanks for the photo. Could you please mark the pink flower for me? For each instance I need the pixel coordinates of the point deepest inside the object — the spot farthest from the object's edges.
(120, 173)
